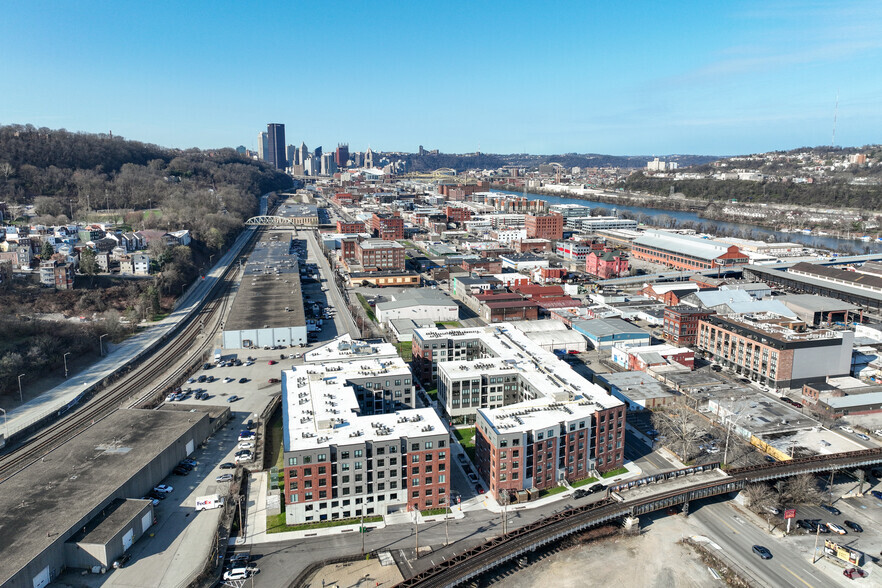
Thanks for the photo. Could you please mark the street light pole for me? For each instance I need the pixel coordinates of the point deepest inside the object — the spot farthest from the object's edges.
(20, 394)
(101, 342)
(65, 364)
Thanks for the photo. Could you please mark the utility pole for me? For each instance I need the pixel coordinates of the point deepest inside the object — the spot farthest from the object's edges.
(101, 342)
(832, 472)
(447, 524)
(65, 364)
(361, 530)
(416, 520)
(817, 535)
(20, 394)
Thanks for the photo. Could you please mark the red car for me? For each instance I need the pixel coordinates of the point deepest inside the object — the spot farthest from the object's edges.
(271, 362)
(853, 573)
(273, 380)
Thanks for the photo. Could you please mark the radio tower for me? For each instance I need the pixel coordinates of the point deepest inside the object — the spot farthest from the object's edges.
(835, 114)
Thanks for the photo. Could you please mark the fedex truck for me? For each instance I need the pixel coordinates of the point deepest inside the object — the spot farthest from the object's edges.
(209, 502)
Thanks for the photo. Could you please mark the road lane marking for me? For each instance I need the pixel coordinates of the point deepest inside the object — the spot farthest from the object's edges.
(725, 523)
(797, 577)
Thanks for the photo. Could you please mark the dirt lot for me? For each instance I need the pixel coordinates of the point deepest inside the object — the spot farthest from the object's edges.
(663, 563)
(356, 574)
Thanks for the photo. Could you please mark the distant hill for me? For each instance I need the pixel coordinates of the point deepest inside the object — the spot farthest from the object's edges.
(465, 162)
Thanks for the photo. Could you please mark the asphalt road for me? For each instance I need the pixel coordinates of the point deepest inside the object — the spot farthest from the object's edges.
(737, 536)
(335, 299)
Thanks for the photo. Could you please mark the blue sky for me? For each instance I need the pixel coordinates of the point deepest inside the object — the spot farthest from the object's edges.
(500, 77)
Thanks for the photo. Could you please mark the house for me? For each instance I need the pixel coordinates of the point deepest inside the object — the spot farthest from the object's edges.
(141, 264)
(606, 264)
(181, 237)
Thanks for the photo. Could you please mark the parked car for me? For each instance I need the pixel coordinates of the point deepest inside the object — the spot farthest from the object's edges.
(228, 465)
(233, 398)
(273, 380)
(227, 380)
(156, 495)
(248, 456)
(836, 529)
(224, 478)
(478, 489)
(473, 478)
(251, 425)
(854, 526)
(246, 445)
(861, 436)
(877, 494)
(163, 489)
(846, 428)
(853, 573)
(762, 552)
(831, 509)
(185, 466)
(580, 493)
(179, 471)
(155, 501)
(243, 380)
(122, 560)
(272, 362)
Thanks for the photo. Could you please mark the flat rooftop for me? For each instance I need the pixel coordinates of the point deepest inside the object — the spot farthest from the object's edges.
(532, 415)
(636, 385)
(118, 514)
(321, 408)
(270, 284)
(49, 499)
(344, 348)
(760, 415)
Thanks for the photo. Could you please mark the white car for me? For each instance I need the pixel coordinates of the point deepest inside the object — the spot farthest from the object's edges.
(249, 363)
(846, 429)
(836, 529)
(155, 501)
(878, 432)
(163, 488)
(227, 380)
(245, 457)
(246, 445)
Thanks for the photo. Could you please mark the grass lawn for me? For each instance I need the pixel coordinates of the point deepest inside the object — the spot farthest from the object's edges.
(160, 316)
(466, 438)
(614, 473)
(276, 523)
(405, 350)
(454, 324)
(432, 392)
(433, 511)
(552, 491)
(274, 439)
(367, 307)
(589, 480)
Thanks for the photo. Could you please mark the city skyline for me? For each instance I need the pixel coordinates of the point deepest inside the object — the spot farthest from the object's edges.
(585, 78)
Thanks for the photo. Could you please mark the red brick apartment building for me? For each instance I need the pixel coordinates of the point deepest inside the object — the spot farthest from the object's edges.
(681, 323)
(456, 214)
(513, 453)
(376, 254)
(387, 227)
(510, 310)
(606, 264)
(347, 227)
(544, 226)
(489, 265)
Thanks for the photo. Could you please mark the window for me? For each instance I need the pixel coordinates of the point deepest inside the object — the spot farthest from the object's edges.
(415, 482)
(359, 477)
(393, 461)
(345, 492)
(415, 470)
(428, 480)
(358, 465)
(292, 461)
(323, 493)
(323, 482)
(344, 467)
(429, 469)
(442, 478)
(345, 479)
(322, 470)
(323, 457)
(428, 445)
(381, 463)
(381, 451)
(414, 446)
(292, 486)
(358, 453)
(307, 496)
(415, 494)
(344, 455)
(307, 471)
(307, 459)
(293, 498)
(414, 459)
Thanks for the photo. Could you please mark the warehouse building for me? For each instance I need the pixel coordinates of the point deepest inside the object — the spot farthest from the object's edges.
(268, 307)
(607, 332)
(420, 305)
(552, 335)
(80, 505)
(685, 252)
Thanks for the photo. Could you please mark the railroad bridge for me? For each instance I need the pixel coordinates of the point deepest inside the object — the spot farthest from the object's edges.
(630, 498)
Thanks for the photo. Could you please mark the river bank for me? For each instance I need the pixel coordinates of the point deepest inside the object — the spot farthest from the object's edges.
(839, 222)
(658, 216)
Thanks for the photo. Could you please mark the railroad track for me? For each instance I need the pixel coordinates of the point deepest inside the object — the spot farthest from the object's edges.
(143, 376)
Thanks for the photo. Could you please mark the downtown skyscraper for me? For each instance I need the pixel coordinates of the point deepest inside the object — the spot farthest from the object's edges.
(276, 154)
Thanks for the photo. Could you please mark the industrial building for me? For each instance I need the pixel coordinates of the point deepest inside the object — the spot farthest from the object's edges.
(607, 332)
(552, 335)
(80, 505)
(268, 307)
(638, 390)
(352, 446)
(300, 214)
(421, 305)
(685, 252)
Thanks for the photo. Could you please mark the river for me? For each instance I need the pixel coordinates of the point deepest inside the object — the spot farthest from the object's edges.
(744, 230)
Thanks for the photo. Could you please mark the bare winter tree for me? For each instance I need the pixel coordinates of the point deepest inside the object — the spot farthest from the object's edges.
(801, 489)
(681, 427)
(759, 496)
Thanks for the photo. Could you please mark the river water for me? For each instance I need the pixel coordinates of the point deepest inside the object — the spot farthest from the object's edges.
(743, 230)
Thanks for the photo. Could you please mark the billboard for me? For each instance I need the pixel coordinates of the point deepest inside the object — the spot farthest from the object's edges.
(840, 552)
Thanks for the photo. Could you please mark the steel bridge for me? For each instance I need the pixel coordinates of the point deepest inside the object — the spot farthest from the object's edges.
(520, 542)
(270, 221)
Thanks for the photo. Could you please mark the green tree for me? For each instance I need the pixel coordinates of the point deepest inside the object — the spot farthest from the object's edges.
(47, 251)
(88, 263)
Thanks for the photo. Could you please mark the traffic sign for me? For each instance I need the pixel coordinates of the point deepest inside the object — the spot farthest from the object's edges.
(789, 513)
